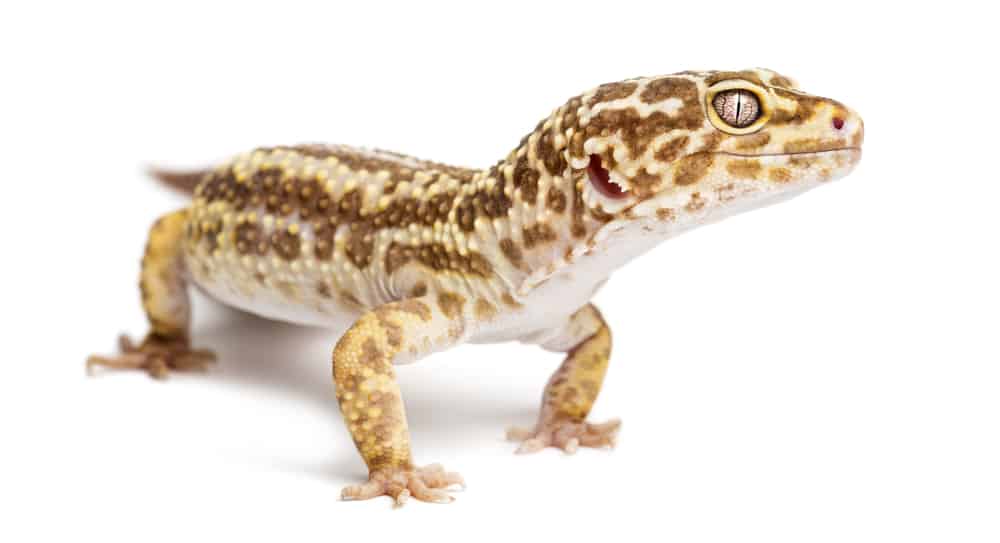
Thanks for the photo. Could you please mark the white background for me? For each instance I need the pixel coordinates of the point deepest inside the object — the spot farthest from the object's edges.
(824, 370)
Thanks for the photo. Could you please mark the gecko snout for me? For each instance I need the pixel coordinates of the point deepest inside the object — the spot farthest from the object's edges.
(849, 126)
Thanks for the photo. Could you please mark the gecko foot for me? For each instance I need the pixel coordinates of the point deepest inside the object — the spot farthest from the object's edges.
(565, 434)
(425, 484)
(156, 355)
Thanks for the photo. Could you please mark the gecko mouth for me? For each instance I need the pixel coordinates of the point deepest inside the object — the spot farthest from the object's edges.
(797, 153)
(836, 161)
(841, 159)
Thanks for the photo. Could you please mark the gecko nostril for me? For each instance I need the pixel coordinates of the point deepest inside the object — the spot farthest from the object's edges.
(838, 123)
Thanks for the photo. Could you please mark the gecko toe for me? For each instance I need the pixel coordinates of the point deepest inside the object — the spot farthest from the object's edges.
(427, 484)
(564, 434)
(156, 355)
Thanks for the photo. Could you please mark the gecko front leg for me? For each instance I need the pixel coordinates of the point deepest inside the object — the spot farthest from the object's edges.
(165, 300)
(573, 388)
(370, 399)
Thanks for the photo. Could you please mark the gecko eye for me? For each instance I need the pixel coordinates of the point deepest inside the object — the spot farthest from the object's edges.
(737, 107)
(601, 179)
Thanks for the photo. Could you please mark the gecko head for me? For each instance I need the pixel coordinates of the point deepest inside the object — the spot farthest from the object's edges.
(696, 146)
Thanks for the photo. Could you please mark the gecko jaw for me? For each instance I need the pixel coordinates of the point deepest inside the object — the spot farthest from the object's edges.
(798, 153)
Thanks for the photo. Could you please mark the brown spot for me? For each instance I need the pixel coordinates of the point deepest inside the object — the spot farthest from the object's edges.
(814, 145)
(669, 151)
(360, 244)
(308, 195)
(636, 132)
(644, 183)
(696, 203)
(466, 215)
(511, 251)
(578, 229)
(396, 257)
(744, 168)
(555, 200)
(509, 300)
(370, 354)
(538, 234)
(552, 159)
(324, 290)
(780, 175)
(414, 307)
(438, 258)
(350, 204)
(805, 108)
(419, 289)
(485, 310)
(393, 331)
(286, 244)
(661, 89)
(492, 202)
(692, 168)
(570, 110)
(477, 264)
(665, 214)
(599, 214)
(526, 180)
(250, 239)
(323, 241)
(802, 161)
(752, 141)
(711, 141)
(609, 92)
(451, 304)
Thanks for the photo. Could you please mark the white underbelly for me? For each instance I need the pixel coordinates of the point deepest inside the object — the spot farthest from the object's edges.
(282, 304)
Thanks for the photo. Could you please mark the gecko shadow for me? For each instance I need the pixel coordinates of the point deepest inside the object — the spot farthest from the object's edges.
(444, 410)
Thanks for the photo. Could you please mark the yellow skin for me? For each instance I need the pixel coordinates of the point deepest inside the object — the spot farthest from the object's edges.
(403, 257)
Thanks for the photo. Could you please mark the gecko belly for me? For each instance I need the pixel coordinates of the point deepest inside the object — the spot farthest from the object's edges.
(274, 304)
(301, 294)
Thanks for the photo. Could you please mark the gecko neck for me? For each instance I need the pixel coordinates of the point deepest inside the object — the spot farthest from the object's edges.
(532, 210)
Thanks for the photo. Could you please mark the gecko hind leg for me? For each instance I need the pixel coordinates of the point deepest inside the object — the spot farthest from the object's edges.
(572, 390)
(165, 300)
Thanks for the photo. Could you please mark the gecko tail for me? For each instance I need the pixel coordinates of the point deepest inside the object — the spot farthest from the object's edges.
(184, 181)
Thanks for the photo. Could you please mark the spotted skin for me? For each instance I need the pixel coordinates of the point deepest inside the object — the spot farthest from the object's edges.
(165, 301)
(368, 394)
(572, 389)
(402, 257)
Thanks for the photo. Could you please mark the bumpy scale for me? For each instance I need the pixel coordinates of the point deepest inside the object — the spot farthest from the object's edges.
(402, 257)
